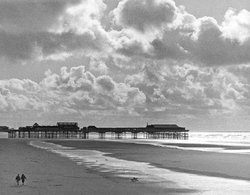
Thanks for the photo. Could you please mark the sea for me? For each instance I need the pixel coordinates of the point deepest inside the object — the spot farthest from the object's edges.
(3, 135)
(213, 141)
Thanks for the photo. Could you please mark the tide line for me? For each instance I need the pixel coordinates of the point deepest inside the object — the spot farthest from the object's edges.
(148, 173)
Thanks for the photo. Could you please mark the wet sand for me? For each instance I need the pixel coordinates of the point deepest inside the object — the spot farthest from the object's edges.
(234, 166)
(51, 174)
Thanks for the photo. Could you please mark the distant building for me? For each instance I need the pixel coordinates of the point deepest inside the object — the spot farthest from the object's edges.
(61, 130)
(166, 128)
(4, 129)
(61, 126)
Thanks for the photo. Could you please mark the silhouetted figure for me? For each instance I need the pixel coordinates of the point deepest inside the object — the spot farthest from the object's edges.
(23, 177)
(134, 179)
(18, 178)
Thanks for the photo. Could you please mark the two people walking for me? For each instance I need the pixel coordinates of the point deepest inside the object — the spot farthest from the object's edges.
(22, 178)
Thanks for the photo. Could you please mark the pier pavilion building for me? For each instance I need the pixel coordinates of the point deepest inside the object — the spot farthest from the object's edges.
(63, 130)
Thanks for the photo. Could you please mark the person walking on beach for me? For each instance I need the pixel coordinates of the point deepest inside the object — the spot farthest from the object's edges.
(18, 179)
(23, 177)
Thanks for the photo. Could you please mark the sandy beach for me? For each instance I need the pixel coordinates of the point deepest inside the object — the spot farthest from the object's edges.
(50, 173)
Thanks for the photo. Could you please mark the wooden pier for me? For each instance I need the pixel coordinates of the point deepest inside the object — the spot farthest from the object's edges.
(70, 130)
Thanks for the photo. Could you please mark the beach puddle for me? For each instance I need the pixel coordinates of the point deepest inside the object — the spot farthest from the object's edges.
(147, 173)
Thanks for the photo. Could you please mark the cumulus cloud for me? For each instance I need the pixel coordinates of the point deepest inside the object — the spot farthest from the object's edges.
(106, 83)
(80, 88)
(31, 16)
(16, 95)
(185, 37)
(212, 48)
(98, 66)
(75, 90)
(149, 58)
(153, 29)
(166, 90)
(236, 25)
(63, 27)
(189, 89)
(144, 14)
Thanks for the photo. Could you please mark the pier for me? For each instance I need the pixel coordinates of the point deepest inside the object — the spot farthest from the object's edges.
(153, 131)
(70, 130)
(63, 130)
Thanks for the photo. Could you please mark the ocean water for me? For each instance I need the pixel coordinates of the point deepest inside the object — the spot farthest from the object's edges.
(3, 135)
(197, 137)
(223, 142)
(146, 173)
(194, 137)
(220, 137)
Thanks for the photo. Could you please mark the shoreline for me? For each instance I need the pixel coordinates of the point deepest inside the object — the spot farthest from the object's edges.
(144, 143)
(48, 173)
(174, 164)
(90, 156)
(179, 160)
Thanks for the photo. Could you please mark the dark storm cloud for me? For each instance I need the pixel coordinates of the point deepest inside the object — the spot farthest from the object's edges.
(37, 15)
(199, 40)
(143, 14)
(24, 46)
(36, 30)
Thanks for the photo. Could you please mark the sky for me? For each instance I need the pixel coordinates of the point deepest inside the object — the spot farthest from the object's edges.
(126, 63)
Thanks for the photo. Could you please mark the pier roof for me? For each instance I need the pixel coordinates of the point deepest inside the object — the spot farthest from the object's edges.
(61, 126)
(67, 124)
(164, 126)
(72, 126)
